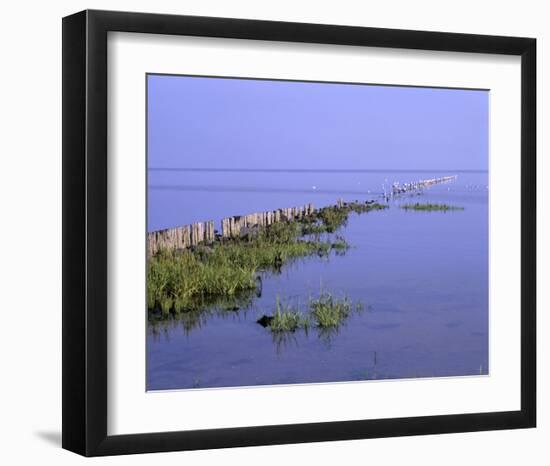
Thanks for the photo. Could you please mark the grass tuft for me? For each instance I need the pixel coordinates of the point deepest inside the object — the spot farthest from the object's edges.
(287, 319)
(328, 311)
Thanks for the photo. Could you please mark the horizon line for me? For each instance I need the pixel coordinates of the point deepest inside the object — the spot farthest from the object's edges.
(316, 170)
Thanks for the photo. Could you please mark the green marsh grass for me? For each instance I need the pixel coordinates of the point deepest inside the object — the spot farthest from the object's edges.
(328, 311)
(324, 312)
(287, 318)
(330, 219)
(340, 244)
(427, 207)
(192, 279)
(226, 272)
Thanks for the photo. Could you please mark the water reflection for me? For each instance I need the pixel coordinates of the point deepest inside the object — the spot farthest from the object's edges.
(191, 320)
(283, 341)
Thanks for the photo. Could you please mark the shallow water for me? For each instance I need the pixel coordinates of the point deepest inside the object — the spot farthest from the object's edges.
(422, 277)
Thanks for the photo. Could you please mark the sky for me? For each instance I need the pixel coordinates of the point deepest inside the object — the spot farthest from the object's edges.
(216, 123)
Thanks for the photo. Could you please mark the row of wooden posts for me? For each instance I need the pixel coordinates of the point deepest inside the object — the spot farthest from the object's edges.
(180, 237)
(232, 227)
(398, 188)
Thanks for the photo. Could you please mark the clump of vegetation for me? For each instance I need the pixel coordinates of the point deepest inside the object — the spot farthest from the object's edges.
(427, 207)
(287, 318)
(325, 312)
(331, 218)
(183, 281)
(340, 244)
(328, 311)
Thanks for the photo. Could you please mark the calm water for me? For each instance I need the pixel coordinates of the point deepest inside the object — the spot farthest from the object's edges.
(422, 276)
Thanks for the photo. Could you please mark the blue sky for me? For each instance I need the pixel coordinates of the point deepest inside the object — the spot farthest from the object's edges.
(196, 122)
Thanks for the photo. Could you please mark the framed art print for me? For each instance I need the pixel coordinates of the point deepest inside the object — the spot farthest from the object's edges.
(281, 232)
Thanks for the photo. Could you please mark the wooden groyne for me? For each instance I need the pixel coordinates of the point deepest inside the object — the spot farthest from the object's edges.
(180, 237)
(232, 227)
(398, 188)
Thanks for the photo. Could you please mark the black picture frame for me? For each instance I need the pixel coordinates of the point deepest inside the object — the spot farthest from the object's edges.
(85, 232)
